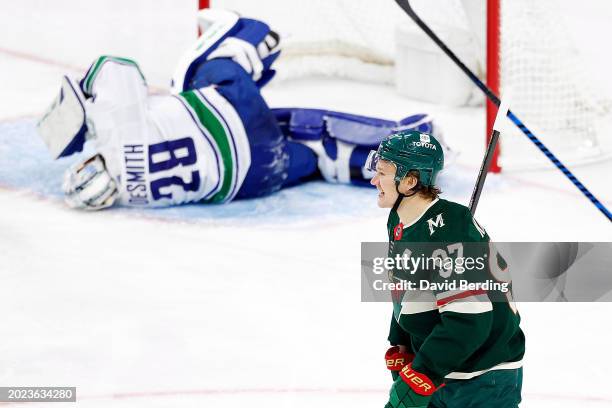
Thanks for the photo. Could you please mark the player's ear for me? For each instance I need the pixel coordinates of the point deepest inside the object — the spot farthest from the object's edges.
(407, 184)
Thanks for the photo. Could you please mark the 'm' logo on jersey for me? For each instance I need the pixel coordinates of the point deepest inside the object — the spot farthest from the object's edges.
(437, 223)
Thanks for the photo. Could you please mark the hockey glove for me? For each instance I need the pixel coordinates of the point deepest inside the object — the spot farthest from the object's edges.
(63, 126)
(396, 360)
(411, 390)
(89, 185)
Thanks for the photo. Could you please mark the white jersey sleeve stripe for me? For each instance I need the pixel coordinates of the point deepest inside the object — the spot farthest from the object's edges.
(211, 143)
(239, 142)
(468, 307)
(232, 142)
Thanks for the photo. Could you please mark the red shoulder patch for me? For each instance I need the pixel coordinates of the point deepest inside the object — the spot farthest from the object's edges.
(398, 232)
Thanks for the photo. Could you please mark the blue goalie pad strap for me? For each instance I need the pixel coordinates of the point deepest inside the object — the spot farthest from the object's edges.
(267, 75)
(252, 31)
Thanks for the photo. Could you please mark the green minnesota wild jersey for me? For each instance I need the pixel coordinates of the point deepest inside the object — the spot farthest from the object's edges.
(457, 332)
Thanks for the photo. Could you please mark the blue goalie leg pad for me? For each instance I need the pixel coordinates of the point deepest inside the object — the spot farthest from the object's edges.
(220, 24)
(342, 141)
(255, 32)
(420, 122)
(248, 30)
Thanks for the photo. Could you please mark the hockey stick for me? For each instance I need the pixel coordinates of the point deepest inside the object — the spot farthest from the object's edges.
(502, 111)
(405, 5)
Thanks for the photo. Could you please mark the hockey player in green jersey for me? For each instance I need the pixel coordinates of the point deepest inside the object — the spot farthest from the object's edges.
(450, 348)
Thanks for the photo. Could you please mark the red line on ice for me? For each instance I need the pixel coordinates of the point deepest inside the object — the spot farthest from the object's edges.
(314, 390)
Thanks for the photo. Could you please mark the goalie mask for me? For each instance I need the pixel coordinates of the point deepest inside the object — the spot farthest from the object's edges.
(410, 150)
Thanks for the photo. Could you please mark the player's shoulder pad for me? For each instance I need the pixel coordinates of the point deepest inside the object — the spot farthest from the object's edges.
(105, 61)
(471, 229)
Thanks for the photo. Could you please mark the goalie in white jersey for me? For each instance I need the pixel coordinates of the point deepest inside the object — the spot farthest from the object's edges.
(214, 139)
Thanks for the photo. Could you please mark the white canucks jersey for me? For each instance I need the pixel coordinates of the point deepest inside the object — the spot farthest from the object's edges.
(164, 150)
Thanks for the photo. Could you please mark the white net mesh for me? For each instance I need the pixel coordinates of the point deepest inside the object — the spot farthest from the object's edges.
(354, 39)
(328, 38)
(550, 91)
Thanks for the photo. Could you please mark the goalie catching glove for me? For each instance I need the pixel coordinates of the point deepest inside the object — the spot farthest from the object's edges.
(89, 186)
(411, 390)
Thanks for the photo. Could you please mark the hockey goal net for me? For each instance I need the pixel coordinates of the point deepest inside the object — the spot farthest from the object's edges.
(357, 39)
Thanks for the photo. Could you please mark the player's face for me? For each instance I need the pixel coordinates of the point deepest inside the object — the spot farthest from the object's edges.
(384, 180)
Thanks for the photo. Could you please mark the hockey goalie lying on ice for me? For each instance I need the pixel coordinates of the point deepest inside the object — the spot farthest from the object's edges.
(214, 139)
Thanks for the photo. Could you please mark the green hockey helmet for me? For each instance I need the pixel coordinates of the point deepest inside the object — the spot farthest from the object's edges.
(410, 150)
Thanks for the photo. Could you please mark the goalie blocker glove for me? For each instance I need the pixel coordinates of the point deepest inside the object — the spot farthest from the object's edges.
(63, 127)
(411, 390)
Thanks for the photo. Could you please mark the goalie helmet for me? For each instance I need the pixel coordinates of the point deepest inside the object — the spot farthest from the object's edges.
(411, 150)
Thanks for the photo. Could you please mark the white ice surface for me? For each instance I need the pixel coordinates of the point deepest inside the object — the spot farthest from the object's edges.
(254, 303)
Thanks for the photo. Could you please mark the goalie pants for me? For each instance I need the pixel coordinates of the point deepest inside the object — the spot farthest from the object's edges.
(499, 389)
(275, 161)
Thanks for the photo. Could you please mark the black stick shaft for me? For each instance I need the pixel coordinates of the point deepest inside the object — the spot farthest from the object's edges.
(484, 170)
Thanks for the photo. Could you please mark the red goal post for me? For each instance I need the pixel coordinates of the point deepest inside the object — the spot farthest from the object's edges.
(493, 72)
